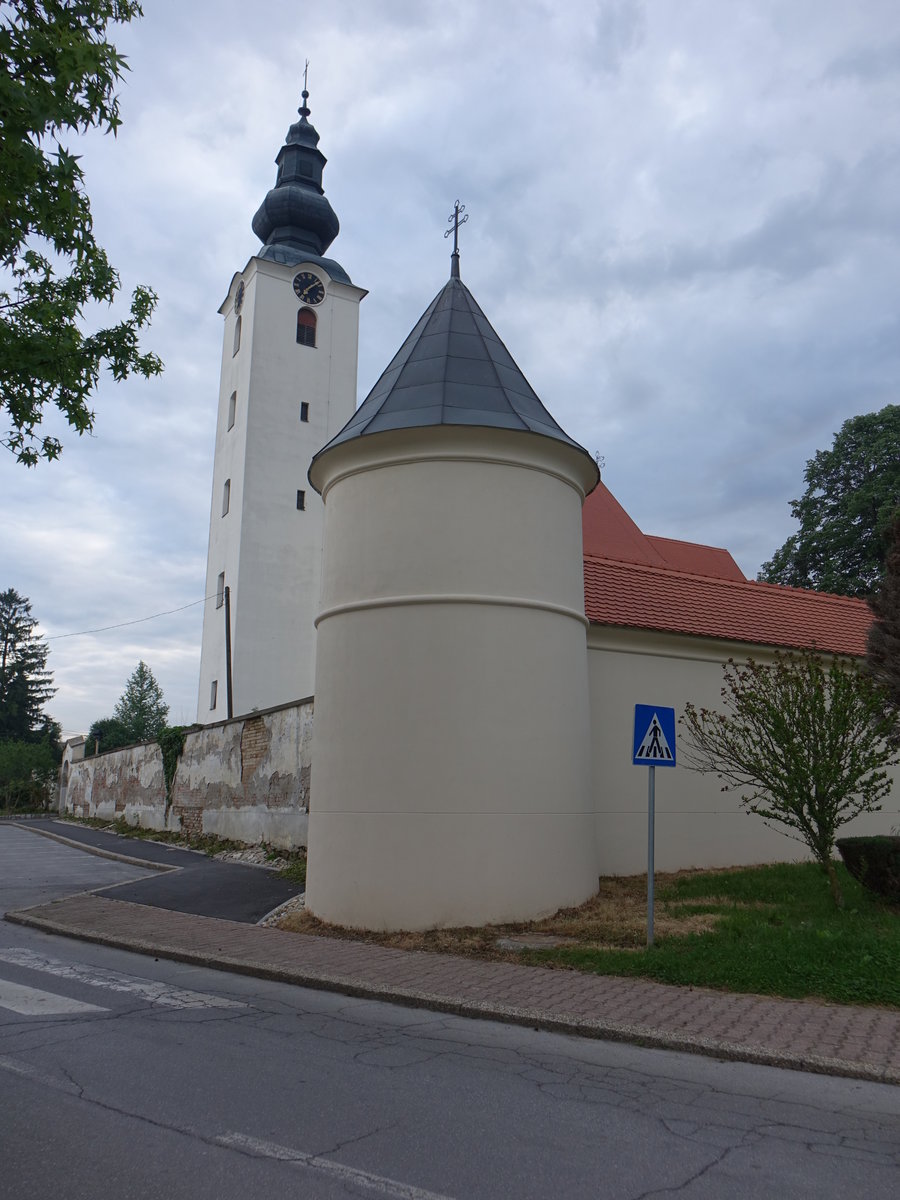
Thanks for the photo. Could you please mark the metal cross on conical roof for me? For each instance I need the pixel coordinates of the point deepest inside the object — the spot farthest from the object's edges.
(454, 221)
(453, 369)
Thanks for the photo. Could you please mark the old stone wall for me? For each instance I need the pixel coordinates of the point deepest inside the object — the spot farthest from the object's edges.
(124, 784)
(246, 779)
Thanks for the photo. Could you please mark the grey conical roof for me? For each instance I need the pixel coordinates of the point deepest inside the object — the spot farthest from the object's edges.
(452, 370)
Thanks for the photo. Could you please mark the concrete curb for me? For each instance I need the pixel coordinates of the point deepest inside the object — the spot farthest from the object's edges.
(480, 1010)
(98, 851)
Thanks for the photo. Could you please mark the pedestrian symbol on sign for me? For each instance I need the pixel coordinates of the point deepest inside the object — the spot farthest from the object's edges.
(654, 748)
(654, 736)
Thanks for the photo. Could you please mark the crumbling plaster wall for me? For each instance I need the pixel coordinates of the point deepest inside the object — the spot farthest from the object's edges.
(127, 784)
(246, 779)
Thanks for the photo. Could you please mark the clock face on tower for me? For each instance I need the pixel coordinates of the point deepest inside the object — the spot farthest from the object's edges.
(309, 288)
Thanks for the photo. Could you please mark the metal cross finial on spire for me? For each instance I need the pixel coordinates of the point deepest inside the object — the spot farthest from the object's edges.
(304, 107)
(455, 220)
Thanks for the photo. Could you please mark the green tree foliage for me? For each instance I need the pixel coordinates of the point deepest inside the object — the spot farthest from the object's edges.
(27, 773)
(809, 742)
(25, 683)
(141, 710)
(883, 649)
(845, 514)
(57, 76)
(106, 734)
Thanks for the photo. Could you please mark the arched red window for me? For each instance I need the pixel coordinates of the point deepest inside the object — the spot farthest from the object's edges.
(306, 327)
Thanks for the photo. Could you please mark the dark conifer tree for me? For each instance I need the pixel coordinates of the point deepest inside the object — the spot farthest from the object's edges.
(25, 683)
(141, 710)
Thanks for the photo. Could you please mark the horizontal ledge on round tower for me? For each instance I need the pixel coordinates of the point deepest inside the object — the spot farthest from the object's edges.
(521, 449)
(560, 610)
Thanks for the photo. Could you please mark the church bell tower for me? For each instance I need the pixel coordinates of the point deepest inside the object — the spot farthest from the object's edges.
(288, 385)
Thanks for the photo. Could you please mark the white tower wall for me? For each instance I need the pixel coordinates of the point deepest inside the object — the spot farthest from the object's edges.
(451, 783)
(269, 550)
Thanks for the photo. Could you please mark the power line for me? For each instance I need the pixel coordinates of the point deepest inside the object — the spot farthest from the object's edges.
(137, 621)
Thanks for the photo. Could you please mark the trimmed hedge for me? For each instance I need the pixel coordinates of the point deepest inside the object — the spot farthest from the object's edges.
(875, 862)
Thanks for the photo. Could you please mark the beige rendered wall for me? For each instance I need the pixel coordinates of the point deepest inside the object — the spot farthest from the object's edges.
(451, 780)
(697, 825)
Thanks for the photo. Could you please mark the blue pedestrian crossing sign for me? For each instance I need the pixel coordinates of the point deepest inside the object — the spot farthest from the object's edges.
(654, 736)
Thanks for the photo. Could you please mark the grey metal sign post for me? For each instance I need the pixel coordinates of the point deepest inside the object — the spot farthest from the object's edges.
(653, 746)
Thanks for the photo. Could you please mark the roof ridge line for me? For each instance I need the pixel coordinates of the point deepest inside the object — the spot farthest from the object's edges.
(450, 284)
(409, 341)
(490, 358)
(788, 587)
(662, 537)
(754, 583)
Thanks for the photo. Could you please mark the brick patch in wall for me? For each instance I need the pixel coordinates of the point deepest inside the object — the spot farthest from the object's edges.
(254, 746)
(191, 820)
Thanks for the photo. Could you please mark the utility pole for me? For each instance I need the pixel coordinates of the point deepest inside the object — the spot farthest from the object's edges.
(228, 695)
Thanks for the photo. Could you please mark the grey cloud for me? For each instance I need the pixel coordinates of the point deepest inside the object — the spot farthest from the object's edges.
(683, 226)
(871, 63)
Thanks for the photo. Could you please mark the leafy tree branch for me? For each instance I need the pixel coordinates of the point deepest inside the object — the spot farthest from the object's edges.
(58, 75)
(845, 514)
(807, 742)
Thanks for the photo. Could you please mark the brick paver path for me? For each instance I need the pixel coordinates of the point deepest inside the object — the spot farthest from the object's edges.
(840, 1039)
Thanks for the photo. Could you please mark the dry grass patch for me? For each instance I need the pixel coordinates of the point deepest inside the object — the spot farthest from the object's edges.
(615, 918)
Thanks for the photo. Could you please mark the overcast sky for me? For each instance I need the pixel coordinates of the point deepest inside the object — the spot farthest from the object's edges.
(684, 225)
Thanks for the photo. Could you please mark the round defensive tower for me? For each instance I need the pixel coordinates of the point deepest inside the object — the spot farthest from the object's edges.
(451, 763)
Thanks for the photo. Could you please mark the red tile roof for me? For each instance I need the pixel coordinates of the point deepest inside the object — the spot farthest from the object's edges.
(646, 597)
(696, 559)
(609, 532)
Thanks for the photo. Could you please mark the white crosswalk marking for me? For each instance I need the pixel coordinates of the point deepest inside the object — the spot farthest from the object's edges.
(147, 989)
(32, 1002)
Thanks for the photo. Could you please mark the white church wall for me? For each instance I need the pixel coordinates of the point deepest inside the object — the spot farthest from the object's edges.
(697, 825)
(269, 548)
(230, 453)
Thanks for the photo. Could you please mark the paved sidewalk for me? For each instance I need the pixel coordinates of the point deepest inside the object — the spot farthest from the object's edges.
(185, 880)
(828, 1038)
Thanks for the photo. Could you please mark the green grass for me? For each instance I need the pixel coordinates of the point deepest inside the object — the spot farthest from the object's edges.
(296, 872)
(779, 933)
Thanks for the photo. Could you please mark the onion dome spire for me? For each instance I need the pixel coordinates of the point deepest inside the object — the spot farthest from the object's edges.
(295, 221)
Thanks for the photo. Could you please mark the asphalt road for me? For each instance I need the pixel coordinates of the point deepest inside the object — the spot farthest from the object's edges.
(201, 885)
(130, 1078)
